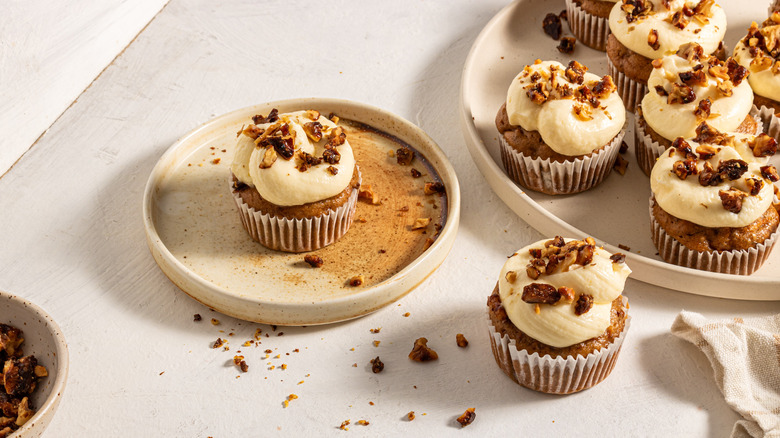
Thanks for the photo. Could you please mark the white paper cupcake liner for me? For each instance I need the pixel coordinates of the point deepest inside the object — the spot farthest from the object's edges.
(589, 29)
(554, 178)
(771, 122)
(648, 150)
(775, 6)
(297, 235)
(630, 90)
(737, 262)
(560, 375)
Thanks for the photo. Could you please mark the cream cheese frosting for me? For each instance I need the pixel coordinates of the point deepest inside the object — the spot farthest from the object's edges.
(557, 324)
(707, 31)
(679, 119)
(764, 69)
(567, 124)
(687, 198)
(282, 183)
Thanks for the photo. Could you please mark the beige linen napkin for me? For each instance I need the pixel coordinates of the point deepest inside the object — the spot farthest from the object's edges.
(745, 355)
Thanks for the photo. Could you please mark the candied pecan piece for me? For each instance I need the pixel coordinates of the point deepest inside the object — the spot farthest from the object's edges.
(415, 173)
(691, 52)
(583, 304)
(272, 117)
(421, 352)
(623, 147)
(410, 416)
(313, 260)
(680, 145)
(537, 93)
(467, 418)
(10, 339)
(251, 131)
(377, 365)
(367, 194)
(726, 88)
(331, 156)
(567, 293)
(736, 72)
(704, 8)
(732, 199)
(461, 340)
(552, 26)
(584, 94)
(434, 187)
(681, 94)
(693, 78)
(770, 173)
(683, 169)
(333, 170)
(575, 72)
(582, 113)
(313, 130)
(269, 158)
(763, 146)
(621, 164)
(421, 223)
(679, 20)
(556, 241)
(652, 40)
(732, 169)
(706, 151)
(585, 255)
(567, 45)
(511, 276)
(707, 134)
(535, 253)
(703, 110)
(754, 185)
(618, 258)
(19, 375)
(306, 161)
(25, 412)
(404, 156)
(540, 293)
(356, 281)
(532, 272)
(336, 137)
(708, 176)
(241, 363)
(603, 88)
(661, 91)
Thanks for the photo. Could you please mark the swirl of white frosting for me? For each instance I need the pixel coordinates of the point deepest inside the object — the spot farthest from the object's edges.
(555, 120)
(557, 325)
(678, 119)
(689, 200)
(634, 35)
(282, 183)
(764, 82)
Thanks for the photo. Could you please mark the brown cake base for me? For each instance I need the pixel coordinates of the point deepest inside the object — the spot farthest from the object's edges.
(532, 364)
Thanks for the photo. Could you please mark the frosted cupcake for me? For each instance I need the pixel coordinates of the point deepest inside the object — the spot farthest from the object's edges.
(294, 180)
(712, 204)
(685, 89)
(557, 318)
(560, 128)
(589, 21)
(759, 52)
(644, 30)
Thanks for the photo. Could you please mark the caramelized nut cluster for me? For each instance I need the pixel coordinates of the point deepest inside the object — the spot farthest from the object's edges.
(559, 256)
(727, 75)
(19, 376)
(637, 10)
(764, 45)
(710, 142)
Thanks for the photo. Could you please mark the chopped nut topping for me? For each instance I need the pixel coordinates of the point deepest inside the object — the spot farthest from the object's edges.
(272, 117)
(754, 186)
(269, 158)
(621, 164)
(657, 63)
(377, 365)
(415, 173)
(770, 173)
(708, 176)
(333, 170)
(702, 111)
(736, 72)
(685, 168)
(575, 72)
(567, 45)
(313, 115)
(356, 281)
(461, 340)
(603, 88)
(404, 156)
(306, 161)
(680, 145)
(421, 223)
(726, 88)
(681, 94)
(652, 40)
(540, 293)
(421, 352)
(623, 148)
(240, 363)
(679, 20)
(582, 113)
(410, 415)
(467, 417)
(707, 134)
(196, 317)
(333, 117)
(693, 78)
(763, 146)
(366, 193)
(567, 293)
(691, 52)
(636, 9)
(618, 258)
(313, 260)
(336, 137)
(313, 130)
(583, 304)
(537, 93)
(331, 156)
(434, 187)
(706, 151)
(552, 26)
(732, 169)
(732, 199)
(511, 276)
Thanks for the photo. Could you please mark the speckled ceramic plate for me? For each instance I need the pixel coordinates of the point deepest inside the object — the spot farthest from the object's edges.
(615, 212)
(195, 234)
(44, 340)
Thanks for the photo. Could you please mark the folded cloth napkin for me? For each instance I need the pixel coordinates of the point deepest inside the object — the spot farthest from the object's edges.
(745, 355)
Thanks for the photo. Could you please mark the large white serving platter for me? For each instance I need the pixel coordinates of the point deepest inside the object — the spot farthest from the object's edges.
(195, 235)
(617, 211)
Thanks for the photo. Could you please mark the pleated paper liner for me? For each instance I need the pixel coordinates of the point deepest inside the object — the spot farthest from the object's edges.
(737, 262)
(630, 90)
(648, 150)
(560, 375)
(297, 235)
(554, 178)
(770, 119)
(589, 29)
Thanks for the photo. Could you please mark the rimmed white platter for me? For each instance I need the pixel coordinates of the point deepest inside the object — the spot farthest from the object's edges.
(616, 212)
(195, 235)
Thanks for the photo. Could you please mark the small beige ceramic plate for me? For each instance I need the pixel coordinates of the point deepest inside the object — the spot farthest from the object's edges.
(195, 234)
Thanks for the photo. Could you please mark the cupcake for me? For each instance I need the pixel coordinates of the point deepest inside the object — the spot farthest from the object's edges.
(644, 30)
(560, 128)
(685, 89)
(712, 202)
(759, 52)
(557, 318)
(589, 21)
(294, 180)
(775, 7)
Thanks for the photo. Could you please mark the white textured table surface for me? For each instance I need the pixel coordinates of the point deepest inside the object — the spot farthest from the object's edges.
(73, 242)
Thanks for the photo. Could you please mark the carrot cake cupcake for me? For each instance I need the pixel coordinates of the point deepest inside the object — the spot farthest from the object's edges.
(759, 52)
(560, 128)
(557, 318)
(644, 30)
(294, 180)
(589, 21)
(712, 202)
(685, 89)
